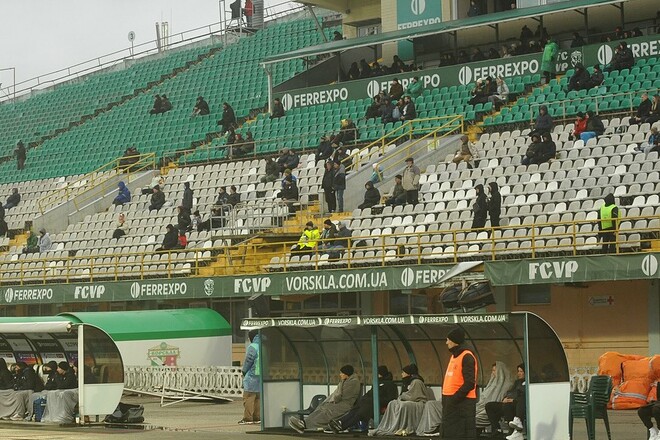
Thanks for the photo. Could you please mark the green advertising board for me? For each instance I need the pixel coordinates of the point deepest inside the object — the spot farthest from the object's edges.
(282, 283)
(411, 14)
(642, 47)
(573, 269)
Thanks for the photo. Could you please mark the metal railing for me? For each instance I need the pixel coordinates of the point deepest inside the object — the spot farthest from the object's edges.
(367, 249)
(100, 177)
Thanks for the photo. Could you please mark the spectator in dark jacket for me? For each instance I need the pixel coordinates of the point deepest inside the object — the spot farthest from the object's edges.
(339, 184)
(201, 107)
(157, 107)
(577, 40)
(124, 195)
(291, 161)
(278, 109)
(6, 378)
(289, 187)
(25, 378)
(324, 150)
(272, 171)
(365, 70)
(409, 112)
(371, 196)
(165, 104)
(347, 133)
(326, 185)
(187, 201)
(643, 110)
(597, 77)
(595, 127)
(544, 122)
(548, 149)
(396, 89)
(533, 151)
(67, 378)
(512, 407)
(13, 199)
(234, 197)
(480, 208)
(228, 118)
(21, 155)
(157, 199)
(354, 71)
(494, 204)
(580, 79)
(623, 58)
(50, 369)
(343, 235)
(183, 219)
(171, 239)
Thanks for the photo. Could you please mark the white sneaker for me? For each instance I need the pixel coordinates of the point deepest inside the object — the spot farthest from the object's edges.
(654, 434)
(517, 435)
(516, 424)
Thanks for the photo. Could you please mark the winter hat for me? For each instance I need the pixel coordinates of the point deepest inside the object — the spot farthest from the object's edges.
(383, 371)
(348, 370)
(411, 369)
(63, 365)
(328, 222)
(52, 365)
(42, 230)
(310, 224)
(457, 335)
(157, 187)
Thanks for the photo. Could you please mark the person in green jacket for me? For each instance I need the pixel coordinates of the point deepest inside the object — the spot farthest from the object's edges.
(549, 59)
(32, 243)
(414, 89)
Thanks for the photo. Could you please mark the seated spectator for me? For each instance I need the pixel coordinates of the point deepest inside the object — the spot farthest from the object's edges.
(544, 122)
(474, 9)
(52, 382)
(502, 94)
(67, 378)
(290, 161)
(479, 93)
(218, 211)
(371, 196)
(462, 57)
(506, 53)
(120, 230)
(324, 150)
(25, 378)
(643, 110)
(243, 147)
(577, 40)
(278, 109)
(13, 200)
(182, 240)
(408, 113)
(363, 410)
(231, 138)
(44, 242)
(533, 151)
(594, 128)
(548, 148)
(272, 171)
(365, 69)
(354, 71)
(466, 153)
(512, 408)
(343, 236)
(654, 113)
(157, 107)
(289, 187)
(157, 199)
(597, 77)
(376, 69)
(374, 110)
(124, 195)
(195, 221)
(414, 89)
(387, 112)
(580, 79)
(579, 126)
(337, 36)
(165, 104)
(396, 89)
(477, 55)
(171, 239)
(3, 223)
(201, 107)
(328, 235)
(397, 195)
(131, 156)
(234, 197)
(493, 54)
(398, 66)
(228, 118)
(403, 414)
(623, 58)
(156, 180)
(183, 219)
(308, 240)
(335, 406)
(32, 244)
(347, 133)
(653, 144)
(376, 174)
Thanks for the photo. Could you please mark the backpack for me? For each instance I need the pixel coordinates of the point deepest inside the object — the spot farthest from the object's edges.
(126, 413)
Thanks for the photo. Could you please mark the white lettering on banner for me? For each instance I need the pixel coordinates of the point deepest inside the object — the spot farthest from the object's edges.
(384, 320)
(162, 289)
(419, 23)
(346, 281)
(337, 321)
(645, 48)
(466, 75)
(555, 269)
(252, 285)
(481, 319)
(434, 319)
(314, 98)
(410, 277)
(88, 292)
(21, 295)
(302, 322)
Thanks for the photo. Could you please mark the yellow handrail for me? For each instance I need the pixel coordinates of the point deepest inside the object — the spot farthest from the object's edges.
(420, 247)
(94, 179)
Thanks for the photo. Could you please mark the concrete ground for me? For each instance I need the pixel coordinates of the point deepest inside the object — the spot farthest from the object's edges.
(202, 421)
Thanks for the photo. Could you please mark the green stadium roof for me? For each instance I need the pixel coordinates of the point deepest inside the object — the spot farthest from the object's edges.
(438, 28)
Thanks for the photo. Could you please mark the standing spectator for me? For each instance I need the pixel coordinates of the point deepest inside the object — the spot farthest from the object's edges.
(597, 77)
(623, 58)
(157, 199)
(410, 181)
(252, 380)
(339, 184)
(494, 204)
(44, 242)
(526, 34)
(409, 112)
(512, 407)
(502, 94)
(398, 195)
(544, 122)
(21, 155)
(396, 89)
(228, 118)
(479, 208)
(3, 223)
(13, 199)
(465, 153)
(533, 151)
(187, 201)
(278, 109)
(365, 70)
(608, 216)
(371, 196)
(234, 197)
(579, 126)
(272, 171)
(32, 244)
(308, 240)
(120, 230)
(414, 89)
(459, 390)
(549, 59)
(327, 186)
(354, 71)
(643, 110)
(201, 107)
(124, 195)
(183, 219)
(171, 239)
(398, 66)
(474, 9)
(324, 150)
(248, 11)
(577, 40)
(157, 107)
(580, 79)
(595, 127)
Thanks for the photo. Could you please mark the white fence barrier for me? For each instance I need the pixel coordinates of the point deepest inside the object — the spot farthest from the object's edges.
(216, 381)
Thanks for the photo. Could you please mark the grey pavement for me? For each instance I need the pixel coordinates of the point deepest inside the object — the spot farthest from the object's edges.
(202, 421)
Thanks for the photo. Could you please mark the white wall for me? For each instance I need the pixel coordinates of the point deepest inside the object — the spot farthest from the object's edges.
(548, 411)
(193, 352)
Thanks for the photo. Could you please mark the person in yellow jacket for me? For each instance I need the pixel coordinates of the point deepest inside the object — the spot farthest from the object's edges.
(308, 240)
(608, 215)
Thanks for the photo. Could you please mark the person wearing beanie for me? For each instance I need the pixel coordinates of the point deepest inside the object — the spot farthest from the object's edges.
(459, 390)
(51, 369)
(597, 77)
(52, 383)
(328, 235)
(623, 58)
(404, 414)
(397, 196)
(252, 381)
(335, 406)
(579, 126)
(371, 196)
(66, 377)
(363, 410)
(307, 241)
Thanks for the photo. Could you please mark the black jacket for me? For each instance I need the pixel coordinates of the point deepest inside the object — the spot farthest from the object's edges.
(183, 219)
(328, 178)
(387, 391)
(278, 110)
(203, 108)
(495, 201)
(6, 379)
(171, 238)
(324, 150)
(644, 109)
(547, 151)
(51, 382)
(517, 390)
(15, 198)
(480, 207)
(26, 380)
(228, 117)
(67, 381)
(157, 200)
(371, 197)
(187, 197)
(596, 125)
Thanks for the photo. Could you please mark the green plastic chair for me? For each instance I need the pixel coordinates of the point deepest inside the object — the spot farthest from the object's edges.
(592, 405)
